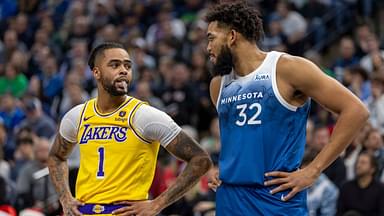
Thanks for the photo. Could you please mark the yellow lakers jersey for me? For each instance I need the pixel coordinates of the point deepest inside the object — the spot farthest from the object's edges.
(116, 162)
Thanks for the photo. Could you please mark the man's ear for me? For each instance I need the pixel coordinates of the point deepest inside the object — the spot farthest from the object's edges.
(232, 37)
(96, 73)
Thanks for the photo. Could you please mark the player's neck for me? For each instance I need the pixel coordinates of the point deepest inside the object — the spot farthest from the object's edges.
(247, 59)
(106, 103)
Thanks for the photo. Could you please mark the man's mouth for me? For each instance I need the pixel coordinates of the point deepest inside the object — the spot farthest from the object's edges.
(121, 84)
(212, 58)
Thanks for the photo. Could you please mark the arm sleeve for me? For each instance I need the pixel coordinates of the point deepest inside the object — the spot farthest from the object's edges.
(69, 124)
(155, 125)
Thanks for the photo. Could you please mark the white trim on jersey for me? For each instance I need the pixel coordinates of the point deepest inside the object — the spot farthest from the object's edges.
(280, 98)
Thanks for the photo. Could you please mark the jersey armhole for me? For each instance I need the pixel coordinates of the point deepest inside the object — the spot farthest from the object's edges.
(130, 122)
(219, 95)
(81, 118)
(276, 91)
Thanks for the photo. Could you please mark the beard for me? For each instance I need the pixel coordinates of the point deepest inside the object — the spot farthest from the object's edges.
(223, 63)
(110, 87)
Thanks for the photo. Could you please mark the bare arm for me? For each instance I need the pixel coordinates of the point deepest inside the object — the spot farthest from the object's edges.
(352, 114)
(186, 149)
(298, 74)
(214, 89)
(58, 169)
(57, 164)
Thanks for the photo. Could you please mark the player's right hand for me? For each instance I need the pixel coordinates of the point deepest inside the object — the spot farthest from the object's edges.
(70, 206)
(214, 180)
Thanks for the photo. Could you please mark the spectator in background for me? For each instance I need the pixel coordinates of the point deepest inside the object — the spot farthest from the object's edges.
(375, 103)
(34, 187)
(373, 144)
(336, 172)
(4, 165)
(11, 43)
(13, 82)
(79, 28)
(51, 82)
(364, 195)
(19, 60)
(274, 39)
(211, 142)
(41, 124)
(73, 94)
(5, 208)
(352, 152)
(362, 33)
(314, 11)
(166, 27)
(357, 80)
(374, 60)
(10, 111)
(346, 57)
(293, 25)
(143, 92)
(179, 98)
(103, 14)
(24, 151)
(78, 51)
(22, 27)
(322, 195)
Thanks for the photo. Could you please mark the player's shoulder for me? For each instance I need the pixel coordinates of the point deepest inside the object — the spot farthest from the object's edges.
(286, 61)
(289, 66)
(74, 112)
(77, 109)
(214, 88)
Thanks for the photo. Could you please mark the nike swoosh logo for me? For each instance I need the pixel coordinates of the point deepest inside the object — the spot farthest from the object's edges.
(227, 84)
(86, 118)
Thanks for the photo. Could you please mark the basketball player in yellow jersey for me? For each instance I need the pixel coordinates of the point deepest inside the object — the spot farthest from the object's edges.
(119, 138)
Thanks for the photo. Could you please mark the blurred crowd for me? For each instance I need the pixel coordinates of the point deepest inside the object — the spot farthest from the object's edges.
(44, 47)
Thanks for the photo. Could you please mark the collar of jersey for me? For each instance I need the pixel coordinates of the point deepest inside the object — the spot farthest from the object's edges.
(127, 100)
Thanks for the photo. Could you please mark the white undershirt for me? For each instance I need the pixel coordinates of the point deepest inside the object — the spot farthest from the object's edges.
(151, 123)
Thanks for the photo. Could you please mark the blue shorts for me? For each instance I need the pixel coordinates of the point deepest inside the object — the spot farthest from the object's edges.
(234, 200)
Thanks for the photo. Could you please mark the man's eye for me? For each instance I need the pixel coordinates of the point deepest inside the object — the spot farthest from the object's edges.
(127, 66)
(115, 65)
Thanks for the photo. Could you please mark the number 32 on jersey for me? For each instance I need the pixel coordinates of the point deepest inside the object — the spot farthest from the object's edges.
(251, 120)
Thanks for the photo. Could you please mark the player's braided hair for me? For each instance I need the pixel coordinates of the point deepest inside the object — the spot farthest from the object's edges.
(239, 16)
(99, 50)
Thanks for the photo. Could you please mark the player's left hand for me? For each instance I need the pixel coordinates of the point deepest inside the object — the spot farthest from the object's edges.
(138, 208)
(295, 181)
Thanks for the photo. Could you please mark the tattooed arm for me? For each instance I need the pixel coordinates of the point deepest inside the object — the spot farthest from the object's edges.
(58, 169)
(199, 162)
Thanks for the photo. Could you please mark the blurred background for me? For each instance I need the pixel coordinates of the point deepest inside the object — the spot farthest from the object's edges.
(44, 47)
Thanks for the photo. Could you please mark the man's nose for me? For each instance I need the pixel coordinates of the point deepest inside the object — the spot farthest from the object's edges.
(123, 71)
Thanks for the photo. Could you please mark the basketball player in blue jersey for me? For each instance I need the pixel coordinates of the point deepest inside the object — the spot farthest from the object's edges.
(262, 100)
(119, 138)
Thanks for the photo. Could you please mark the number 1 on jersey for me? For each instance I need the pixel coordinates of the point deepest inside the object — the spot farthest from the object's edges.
(100, 172)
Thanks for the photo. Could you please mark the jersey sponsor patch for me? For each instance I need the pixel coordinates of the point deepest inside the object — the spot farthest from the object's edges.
(261, 77)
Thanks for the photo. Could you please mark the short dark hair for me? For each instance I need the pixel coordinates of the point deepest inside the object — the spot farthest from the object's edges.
(373, 161)
(239, 16)
(100, 49)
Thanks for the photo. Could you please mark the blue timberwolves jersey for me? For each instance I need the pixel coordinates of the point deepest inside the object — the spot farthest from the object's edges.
(259, 130)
